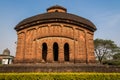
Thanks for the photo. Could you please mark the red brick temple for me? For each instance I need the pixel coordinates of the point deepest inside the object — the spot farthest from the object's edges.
(55, 37)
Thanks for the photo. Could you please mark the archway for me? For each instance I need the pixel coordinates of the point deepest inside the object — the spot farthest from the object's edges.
(44, 51)
(55, 51)
(66, 52)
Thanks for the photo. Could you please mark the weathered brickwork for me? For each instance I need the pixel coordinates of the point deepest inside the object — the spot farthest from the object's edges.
(55, 42)
(56, 67)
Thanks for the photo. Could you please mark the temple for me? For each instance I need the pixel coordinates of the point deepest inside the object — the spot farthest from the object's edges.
(5, 57)
(55, 37)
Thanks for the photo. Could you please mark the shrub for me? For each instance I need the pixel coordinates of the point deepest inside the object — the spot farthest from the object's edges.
(0, 61)
(112, 62)
(59, 76)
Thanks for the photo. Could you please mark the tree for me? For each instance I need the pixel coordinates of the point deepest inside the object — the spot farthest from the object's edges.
(116, 56)
(105, 49)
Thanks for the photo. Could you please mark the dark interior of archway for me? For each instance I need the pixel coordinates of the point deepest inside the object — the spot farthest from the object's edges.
(55, 51)
(56, 10)
(66, 52)
(44, 51)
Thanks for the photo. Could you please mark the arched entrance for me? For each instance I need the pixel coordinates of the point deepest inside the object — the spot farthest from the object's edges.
(66, 52)
(44, 51)
(55, 51)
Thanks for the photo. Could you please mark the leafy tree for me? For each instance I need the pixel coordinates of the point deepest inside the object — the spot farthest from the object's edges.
(104, 49)
(116, 56)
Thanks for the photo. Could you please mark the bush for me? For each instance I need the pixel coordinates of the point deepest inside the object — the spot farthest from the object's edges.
(112, 62)
(0, 61)
(59, 76)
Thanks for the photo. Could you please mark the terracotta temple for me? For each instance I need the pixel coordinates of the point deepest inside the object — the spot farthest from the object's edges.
(55, 37)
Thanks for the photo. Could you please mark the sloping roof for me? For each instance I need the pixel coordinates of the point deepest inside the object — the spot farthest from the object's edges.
(47, 17)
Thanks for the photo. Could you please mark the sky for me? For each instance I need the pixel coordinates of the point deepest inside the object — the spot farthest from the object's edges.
(105, 14)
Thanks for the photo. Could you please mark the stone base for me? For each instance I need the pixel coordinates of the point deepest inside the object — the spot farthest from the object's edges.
(55, 67)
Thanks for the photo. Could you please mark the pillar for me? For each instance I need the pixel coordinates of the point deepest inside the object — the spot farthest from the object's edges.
(38, 52)
(61, 52)
(72, 48)
(50, 52)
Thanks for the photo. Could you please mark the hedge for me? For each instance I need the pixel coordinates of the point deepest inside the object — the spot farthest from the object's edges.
(59, 76)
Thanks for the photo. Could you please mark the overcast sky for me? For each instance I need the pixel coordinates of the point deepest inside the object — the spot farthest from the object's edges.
(105, 14)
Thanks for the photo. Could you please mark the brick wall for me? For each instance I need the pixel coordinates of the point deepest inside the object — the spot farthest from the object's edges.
(58, 68)
(30, 40)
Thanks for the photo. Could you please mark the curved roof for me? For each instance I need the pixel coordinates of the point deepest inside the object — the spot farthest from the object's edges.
(56, 7)
(6, 52)
(56, 17)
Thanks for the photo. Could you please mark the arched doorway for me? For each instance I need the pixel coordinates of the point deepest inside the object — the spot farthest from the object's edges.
(66, 52)
(44, 51)
(55, 51)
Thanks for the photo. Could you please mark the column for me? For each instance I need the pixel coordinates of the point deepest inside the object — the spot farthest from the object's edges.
(20, 47)
(72, 48)
(61, 52)
(50, 52)
(38, 52)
